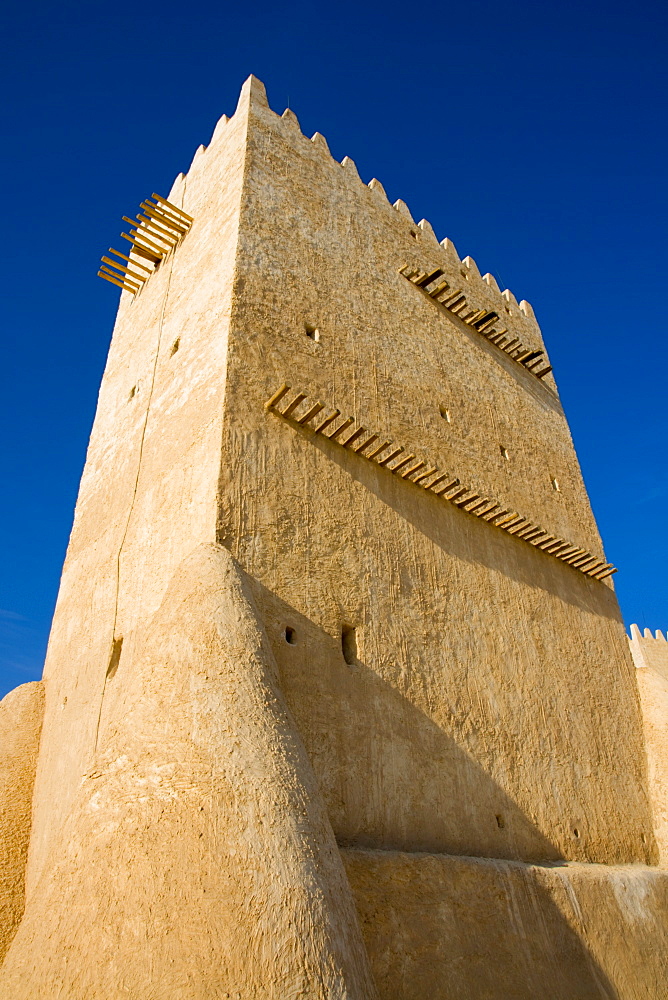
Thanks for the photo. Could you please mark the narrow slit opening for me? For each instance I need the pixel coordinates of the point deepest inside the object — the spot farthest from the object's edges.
(349, 644)
(115, 657)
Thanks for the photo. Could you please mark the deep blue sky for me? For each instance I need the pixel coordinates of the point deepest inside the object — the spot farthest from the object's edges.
(532, 134)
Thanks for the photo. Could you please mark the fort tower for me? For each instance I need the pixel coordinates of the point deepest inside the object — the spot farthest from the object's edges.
(338, 701)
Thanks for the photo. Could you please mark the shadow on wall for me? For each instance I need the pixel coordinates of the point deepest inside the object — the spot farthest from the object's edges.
(396, 779)
(461, 928)
(392, 778)
(373, 753)
(472, 539)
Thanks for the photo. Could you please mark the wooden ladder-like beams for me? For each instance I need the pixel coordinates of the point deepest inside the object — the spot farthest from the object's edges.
(299, 410)
(483, 321)
(155, 234)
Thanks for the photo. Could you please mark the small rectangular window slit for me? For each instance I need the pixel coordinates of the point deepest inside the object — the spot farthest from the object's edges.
(349, 644)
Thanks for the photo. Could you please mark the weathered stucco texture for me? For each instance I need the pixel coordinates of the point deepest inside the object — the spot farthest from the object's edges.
(477, 929)
(20, 725)
(490, 680)
(197, 860)
(270, 655)
(148, 494)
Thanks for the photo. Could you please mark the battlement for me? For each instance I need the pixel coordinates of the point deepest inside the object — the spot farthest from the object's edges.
(517, 320)
(649, 651)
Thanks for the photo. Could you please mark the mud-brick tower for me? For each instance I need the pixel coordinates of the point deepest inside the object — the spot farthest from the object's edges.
(337, 703)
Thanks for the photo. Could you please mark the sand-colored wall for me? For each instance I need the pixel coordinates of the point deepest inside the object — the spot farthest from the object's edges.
(187, 852)
(21, 714)
(148, 492)
(491, 709)
(458, 928)
(650, 655)
(198, 860)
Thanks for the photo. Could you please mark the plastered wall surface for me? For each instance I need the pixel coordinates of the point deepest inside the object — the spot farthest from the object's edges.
(650, 655)
(457, 928)
(148, 492)
(198, 861)
(149, 737)
(489, 681)
(20, 725)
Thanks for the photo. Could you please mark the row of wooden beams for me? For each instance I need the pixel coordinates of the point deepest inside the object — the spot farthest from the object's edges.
(143, 232)
(135, 263)
(152, 236)
(165, 220)
(142, 251)
(120, 277)
(169, 236)
(114, 281)
(482, 320)
(298, 408)
(172, 208)
(140, 278)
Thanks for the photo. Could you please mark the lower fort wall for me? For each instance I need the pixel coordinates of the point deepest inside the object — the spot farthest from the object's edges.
(452, 928)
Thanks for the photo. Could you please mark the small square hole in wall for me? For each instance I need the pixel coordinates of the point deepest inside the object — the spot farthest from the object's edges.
(504, 453)
(414, 234)
(290, 635)
(555, 485)
(445, 413)
(312, 332)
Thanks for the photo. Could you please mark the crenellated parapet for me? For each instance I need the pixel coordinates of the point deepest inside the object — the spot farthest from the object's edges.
(516, 331)
(649, 650)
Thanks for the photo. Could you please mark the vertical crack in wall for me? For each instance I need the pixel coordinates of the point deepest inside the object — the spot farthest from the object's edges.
(113, 645)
